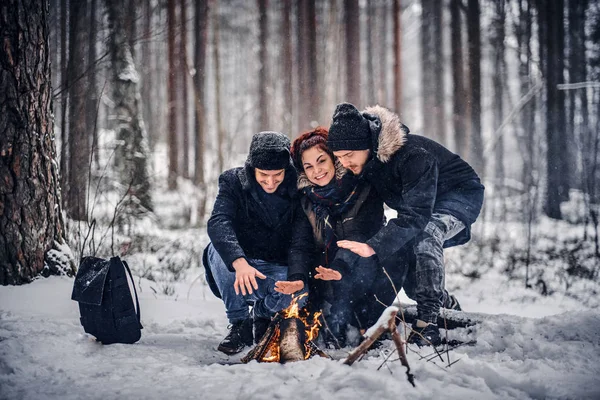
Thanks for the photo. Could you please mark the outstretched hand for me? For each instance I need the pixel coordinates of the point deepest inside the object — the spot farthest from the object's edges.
(362, 249)
(327, 274)
(287, 287)
(245, 277)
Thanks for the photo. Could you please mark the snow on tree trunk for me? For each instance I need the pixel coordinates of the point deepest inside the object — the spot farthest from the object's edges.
(132, 147)
(30, 213)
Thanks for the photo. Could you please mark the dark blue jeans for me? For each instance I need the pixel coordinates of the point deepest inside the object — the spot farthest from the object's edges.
(265, 299)
(426, 282)
(354, 290)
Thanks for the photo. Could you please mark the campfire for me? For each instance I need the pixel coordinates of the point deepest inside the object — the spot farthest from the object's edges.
(289, 337)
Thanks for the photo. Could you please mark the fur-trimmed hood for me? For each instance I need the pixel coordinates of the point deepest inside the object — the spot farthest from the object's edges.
(389, 134)
(304, 182)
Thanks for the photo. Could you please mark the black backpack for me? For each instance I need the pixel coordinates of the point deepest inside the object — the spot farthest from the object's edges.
(105, 302)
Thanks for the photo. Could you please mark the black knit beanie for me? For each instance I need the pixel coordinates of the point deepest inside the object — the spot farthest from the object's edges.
(269, 151)
(349, 130)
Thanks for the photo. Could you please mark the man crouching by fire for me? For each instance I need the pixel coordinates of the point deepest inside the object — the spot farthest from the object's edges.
(252, 247)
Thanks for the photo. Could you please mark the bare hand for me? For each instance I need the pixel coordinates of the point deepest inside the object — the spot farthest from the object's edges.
(287, 287)
(245, 277)
(327, 274)
(362, 249)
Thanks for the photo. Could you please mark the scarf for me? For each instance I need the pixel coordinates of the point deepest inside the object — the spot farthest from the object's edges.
(330, 202)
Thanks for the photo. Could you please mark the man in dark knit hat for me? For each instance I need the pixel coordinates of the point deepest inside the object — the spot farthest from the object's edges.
(251, 239)
(437, 195)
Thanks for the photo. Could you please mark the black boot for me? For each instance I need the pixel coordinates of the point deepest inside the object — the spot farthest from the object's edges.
(260, 327)
(428, 335)
(451, 303)
(239, 336)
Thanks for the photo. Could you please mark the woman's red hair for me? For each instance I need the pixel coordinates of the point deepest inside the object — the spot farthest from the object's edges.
(306, 140)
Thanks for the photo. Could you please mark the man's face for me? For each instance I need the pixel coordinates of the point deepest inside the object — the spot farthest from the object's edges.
(354, 160)
(269, 180)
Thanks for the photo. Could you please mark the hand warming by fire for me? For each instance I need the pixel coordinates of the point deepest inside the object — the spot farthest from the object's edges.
(290, 336)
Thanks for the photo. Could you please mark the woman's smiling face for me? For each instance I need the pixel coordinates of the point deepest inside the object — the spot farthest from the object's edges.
(318, 166)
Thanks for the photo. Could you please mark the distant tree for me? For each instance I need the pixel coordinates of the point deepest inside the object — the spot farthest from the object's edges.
(201, 37)
(499, 79)
(306, 61)
(31, 224)
(459, 92)
(382, 60)
(64, 96)
(172, 126)
(371, 18)
(397, 14)
(285, 36)
(554, 64)
(263, 28)
(91, 107)
(132, 152)
(474, 39)
(351, 27)
(79, 135)
(183, 97)
(216, 56)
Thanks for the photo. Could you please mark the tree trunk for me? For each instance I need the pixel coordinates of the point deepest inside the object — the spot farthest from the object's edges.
(132, 150)
(554, 152)
(30, 212)
(397, 13)
(474, 38)
(287, 66)
(263, 27)
(200, 33)
(183, 79)
(371, 21)
(498, 81)
(172, 127)
(351, 26)
(64, 148)
(307, 64)
(79, 138)
(428, 62)
(217, 72)
(459, 95)
(149, 102)
(91, 111)
(382, 25)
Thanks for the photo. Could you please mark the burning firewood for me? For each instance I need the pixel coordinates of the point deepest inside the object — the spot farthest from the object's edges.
(291, 340)
(289, 337)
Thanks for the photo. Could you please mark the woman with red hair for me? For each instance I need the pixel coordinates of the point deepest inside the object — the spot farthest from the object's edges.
(339, 206)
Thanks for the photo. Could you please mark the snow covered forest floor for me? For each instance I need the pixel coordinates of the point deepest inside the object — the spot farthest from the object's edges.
(537, 342)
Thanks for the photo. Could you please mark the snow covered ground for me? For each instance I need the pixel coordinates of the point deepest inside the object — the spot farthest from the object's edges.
(44, 353)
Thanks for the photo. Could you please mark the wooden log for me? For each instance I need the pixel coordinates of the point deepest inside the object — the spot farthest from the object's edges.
(448, 319)
(262, 346)
(386, 319)
(291, 340)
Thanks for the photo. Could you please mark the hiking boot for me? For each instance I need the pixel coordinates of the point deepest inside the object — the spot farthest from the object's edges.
(239, 336)
(429, 335)
(451, 303)
(260, 328)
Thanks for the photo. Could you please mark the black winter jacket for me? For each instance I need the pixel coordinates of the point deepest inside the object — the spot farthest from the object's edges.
(240, 226)
(359, 223)
(417, 176)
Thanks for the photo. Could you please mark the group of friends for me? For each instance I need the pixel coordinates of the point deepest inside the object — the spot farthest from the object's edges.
(308, 217)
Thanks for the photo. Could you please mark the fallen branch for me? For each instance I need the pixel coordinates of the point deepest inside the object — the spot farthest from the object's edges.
(386, 322)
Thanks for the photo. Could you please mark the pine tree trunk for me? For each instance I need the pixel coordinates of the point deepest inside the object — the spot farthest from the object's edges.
(217, 72)
(498, 81)
(474, 38)
(428, 62)
(132, 150)
(458, 80)
(30, 211)
(371, 20)
(201, 37)
(397, 13)
(183, 79)
(172, 126)
(79, 138)
(263, 26)
(287, 66)
(91, 111)
(351, 26)
(64, 95)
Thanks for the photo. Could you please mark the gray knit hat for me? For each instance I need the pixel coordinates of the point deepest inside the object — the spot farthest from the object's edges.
(269, 151)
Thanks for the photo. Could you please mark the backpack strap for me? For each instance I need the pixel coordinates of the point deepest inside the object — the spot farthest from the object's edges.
(137, 303)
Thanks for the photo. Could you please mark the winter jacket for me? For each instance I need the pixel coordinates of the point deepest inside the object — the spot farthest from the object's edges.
(240, 225)
(417, 176)
(359, 223)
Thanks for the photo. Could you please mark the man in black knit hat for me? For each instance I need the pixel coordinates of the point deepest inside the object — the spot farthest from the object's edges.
(251, 239)
(437, 195)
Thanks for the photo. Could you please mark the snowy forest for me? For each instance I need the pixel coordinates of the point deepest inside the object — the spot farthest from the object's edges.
(117, 118)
